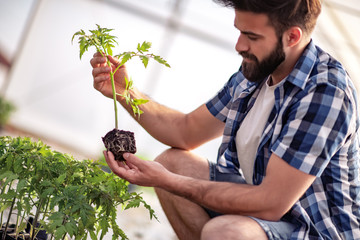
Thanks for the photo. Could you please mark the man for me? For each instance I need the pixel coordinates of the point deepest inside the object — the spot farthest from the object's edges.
(288, 165)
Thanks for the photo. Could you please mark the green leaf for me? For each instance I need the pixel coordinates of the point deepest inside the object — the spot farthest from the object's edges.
(4, 206)
(47, 192)
(71, 228)
(109, 49)
(93, 235)
(81, 32)
(145, 60)
(22, 227)
(161, 60)
(144, 47)
(9, 176)
(126, 57)
(84, 44)
(134, 203)
(96, 41)
(60, 232)
(126, 83)
(61, 178)
(21, 185)
(130, 85)
(139, 101)
(127, 98)
(136, 110)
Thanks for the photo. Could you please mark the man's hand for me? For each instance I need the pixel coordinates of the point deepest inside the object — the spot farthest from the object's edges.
(137, 171)
(101, 74)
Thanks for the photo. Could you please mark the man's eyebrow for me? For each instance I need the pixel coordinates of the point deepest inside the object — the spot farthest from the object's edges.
(251, 33)
(248, 32)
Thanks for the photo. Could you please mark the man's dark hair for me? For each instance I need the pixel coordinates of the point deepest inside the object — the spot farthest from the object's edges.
(282, 14)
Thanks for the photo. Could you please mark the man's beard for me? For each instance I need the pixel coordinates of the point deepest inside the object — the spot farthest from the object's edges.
(256, 71)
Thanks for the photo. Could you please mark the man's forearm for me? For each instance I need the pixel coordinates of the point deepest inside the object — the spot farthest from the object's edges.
(227, 198)
(278, 192)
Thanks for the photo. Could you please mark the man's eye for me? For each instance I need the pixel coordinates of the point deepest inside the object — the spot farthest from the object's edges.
(253, 38)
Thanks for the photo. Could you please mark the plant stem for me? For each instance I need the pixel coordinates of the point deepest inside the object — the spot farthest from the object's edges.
(63, 223)
(64, 237)
(112, 81)
(39, 207)
(22, 219)
(17, 220)
(2, 213)
(8, 220)
(114, 97)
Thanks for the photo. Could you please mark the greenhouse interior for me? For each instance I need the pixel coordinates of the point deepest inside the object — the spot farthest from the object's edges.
(52, 90)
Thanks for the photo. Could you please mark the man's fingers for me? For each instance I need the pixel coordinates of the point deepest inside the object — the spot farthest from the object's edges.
(97, 60)
(131, 158)
(133, 161)
(109, 157)
(97, 54)
(117, 167)
(113, 60)
(113, 163)
(100, 70)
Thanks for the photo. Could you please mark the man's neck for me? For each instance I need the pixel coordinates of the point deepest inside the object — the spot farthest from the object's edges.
(286, 67)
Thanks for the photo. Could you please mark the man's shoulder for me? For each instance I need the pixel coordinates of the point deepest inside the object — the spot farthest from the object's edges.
(329, 70)
(317, 67)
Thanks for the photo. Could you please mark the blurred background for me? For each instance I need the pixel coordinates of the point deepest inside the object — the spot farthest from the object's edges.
(41, 72)
(42, 75)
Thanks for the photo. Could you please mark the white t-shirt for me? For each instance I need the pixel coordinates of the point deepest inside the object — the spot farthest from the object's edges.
(249, 134)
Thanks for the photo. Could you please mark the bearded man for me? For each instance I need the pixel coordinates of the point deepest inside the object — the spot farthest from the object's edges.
(288, 164)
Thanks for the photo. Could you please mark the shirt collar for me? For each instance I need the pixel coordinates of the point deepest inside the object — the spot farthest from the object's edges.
(298, 75)
(303, 67)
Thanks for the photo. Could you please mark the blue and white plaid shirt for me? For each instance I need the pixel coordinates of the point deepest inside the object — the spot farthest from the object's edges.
(314, 127)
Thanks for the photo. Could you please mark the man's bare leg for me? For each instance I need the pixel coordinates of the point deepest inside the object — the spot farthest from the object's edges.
(234, 227)
(186, 217)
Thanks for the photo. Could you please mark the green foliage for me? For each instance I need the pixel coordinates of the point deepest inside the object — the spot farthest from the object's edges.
(135, 202)
(104, 43)
(99, 38)
(6, 108)
(67, 197)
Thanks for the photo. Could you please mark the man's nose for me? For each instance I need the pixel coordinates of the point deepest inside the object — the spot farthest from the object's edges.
(242, 44)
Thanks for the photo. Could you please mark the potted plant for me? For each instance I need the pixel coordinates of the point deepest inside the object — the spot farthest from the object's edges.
(118, 141)
(64, 197)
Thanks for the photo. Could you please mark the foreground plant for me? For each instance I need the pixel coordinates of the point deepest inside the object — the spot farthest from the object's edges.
(118, 141)
(65, 197)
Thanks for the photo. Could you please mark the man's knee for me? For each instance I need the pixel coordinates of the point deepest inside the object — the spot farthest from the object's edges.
(184, 162)
(167, 157)
(232, 227)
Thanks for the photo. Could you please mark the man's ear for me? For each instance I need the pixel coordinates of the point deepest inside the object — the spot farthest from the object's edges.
(293, 36)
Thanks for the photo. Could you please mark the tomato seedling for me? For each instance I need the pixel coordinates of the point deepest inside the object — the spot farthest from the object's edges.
(104, 43)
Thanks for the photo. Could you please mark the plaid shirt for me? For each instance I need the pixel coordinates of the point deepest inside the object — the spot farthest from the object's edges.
(313, 126)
